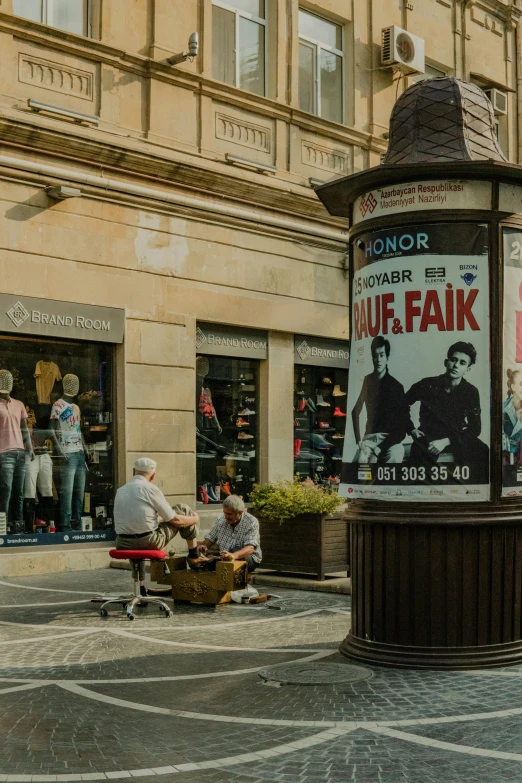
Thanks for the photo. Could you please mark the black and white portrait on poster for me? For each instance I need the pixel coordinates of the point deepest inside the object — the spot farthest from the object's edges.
(512, 365)
(419, 385)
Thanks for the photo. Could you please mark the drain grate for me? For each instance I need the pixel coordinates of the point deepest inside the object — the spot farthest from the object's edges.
(314, 673)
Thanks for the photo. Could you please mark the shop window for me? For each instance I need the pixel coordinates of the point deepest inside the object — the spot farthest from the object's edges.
(66, 392)
(238, 42)
(320, 67)
(319, 423)
(226, 427)
(69, 15)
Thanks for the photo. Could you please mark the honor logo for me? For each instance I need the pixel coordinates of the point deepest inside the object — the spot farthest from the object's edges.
(18, 314)
(304, 350)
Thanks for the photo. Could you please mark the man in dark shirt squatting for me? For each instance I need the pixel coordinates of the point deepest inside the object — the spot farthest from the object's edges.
(449, 416)
(386, 411)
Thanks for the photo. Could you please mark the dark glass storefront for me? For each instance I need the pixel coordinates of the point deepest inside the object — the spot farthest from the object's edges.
(57, 419)
(320, 391)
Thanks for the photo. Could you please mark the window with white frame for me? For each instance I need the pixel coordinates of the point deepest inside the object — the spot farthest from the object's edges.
(69, 15)
(238, 44)
(320, 66)
(430, 72)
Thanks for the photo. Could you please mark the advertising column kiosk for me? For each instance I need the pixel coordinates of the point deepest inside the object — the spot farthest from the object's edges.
(432, 453)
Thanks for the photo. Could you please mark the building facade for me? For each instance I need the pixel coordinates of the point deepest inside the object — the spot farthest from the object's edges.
(161, 239)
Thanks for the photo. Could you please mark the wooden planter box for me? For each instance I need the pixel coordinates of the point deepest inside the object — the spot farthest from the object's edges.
(306, 544)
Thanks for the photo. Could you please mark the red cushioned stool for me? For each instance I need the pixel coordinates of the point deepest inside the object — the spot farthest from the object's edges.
(136, 556)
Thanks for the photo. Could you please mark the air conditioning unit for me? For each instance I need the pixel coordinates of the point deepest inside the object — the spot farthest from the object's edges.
(402, 50)
(499, 100)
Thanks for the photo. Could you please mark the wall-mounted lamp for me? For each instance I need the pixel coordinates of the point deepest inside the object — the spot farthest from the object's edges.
(193, 46)
(88, 119)
(264, 168)
(61, 192)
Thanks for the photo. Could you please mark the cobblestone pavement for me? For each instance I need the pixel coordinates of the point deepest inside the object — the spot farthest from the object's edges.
(86, 698)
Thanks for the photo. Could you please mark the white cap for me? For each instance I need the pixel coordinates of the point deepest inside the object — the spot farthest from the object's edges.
(145, 465)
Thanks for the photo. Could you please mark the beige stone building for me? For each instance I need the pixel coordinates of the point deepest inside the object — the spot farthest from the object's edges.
(179, 199)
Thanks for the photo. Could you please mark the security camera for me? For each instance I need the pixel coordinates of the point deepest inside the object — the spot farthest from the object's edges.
(193, 46)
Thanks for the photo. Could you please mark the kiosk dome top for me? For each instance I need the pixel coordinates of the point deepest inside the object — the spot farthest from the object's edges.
(443, 119)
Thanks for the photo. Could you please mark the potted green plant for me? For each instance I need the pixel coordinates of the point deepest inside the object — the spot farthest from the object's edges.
(300, 529)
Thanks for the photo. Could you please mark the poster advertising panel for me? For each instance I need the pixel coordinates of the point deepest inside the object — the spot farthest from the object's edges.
(417, 424)
(512, 365)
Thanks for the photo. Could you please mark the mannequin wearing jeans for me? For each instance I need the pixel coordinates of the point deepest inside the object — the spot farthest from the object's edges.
(15, 441)
(67, 435)
(38, 473)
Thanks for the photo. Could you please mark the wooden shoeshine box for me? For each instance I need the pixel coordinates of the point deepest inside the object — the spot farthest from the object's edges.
(201, 587)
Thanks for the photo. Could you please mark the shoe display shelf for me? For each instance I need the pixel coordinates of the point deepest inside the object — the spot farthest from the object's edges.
(319, 423)
(226, 454)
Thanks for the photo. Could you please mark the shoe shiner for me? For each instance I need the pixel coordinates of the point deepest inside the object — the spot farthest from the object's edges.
(236, 533)
(138, 508)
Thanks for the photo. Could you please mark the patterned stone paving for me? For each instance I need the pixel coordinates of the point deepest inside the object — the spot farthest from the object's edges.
(85, 698)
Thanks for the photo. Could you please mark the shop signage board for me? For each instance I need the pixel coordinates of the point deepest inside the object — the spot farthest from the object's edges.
(42, 539)
(417, 196)
(512, 364)
(418, 426)
(220, 340)
(48, 318)
(319, 352)
(510, 198)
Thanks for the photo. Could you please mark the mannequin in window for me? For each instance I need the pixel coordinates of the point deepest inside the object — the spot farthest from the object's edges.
(67, 436)
(38, 473)
(15, 441)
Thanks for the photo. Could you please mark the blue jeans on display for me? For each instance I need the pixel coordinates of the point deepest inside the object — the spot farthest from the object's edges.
(12, 478)
(72, 489)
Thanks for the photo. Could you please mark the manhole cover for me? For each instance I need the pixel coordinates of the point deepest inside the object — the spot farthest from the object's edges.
(314, 673)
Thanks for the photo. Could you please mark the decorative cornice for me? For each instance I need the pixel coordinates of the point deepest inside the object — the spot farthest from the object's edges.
(511, 13)
(131, 157)
(96, 51)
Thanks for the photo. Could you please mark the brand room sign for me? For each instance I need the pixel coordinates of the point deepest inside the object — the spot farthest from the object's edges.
(45, 317)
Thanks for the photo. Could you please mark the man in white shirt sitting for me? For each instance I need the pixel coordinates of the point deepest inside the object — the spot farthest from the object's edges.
(138, 505)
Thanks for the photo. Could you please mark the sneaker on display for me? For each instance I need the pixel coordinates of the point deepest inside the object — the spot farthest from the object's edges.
(246, 412)
(318, 441)
(338, 412)
(244, 436)
(297, 447)
(321, 402)
(311, 404)
(203, 495)
(211, 495)
(225, 488)
(337, 391)
(324, 425)
(241, 422)
(338, 435)
(327, 381)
